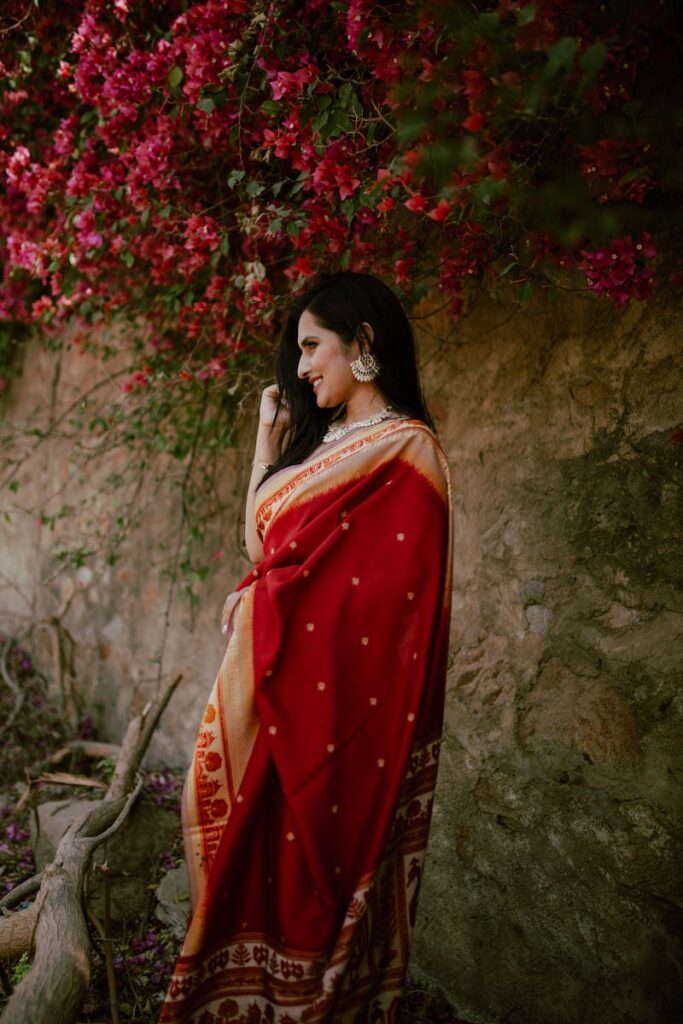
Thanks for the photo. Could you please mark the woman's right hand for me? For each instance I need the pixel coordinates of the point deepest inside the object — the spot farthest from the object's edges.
(269, 399)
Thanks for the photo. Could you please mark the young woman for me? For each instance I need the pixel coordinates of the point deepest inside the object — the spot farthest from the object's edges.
(308, 802)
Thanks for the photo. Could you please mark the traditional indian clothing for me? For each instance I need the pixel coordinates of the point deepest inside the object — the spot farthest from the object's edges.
(308, 801)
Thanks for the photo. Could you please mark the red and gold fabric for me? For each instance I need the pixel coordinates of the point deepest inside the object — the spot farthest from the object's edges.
(308, 801)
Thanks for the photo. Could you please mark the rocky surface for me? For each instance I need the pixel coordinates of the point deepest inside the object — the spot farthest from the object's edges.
(553, 892)
(173, 901)
(131, 854)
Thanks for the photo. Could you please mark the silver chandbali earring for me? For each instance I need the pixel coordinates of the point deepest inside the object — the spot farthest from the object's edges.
(365, 367)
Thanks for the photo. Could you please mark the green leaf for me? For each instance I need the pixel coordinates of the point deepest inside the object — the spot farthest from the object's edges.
(13, 486)
(632, 108)
(413, 123)
(271, 107)
(344, 93)
(128, 258)
(320, 121)
(489, 21)
(592, 60)
(206, 104)
(635, 172)
(234, 177)
(561, 55)
(144, 216)
(254, 189)
(525, 292)
(525, 15)
(175, 76)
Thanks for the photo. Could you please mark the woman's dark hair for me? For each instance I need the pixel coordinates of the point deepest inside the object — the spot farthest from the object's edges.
(342, 302)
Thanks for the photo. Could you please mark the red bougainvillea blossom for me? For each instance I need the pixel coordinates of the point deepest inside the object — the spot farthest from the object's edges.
(187, 163)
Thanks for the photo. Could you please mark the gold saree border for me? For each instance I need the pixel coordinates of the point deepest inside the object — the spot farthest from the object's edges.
(255, 980)
(225, 742)
(289, 481)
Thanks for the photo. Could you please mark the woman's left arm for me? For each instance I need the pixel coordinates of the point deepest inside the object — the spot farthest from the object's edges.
(266, 450)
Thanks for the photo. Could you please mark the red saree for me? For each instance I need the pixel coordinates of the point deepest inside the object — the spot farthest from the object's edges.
(308, 800)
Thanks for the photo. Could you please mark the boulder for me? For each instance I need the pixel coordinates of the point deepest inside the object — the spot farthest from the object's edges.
(131, 853)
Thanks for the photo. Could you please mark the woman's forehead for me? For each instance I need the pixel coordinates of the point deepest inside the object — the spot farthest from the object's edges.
(309, 327)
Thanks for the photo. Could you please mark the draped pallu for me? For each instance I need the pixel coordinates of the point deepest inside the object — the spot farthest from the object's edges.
(308, 801)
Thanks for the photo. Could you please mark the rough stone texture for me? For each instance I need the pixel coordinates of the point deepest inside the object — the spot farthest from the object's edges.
(129, 854)
(553, 891)
(173, 901)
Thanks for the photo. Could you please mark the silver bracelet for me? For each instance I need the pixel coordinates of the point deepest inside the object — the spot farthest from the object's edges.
(262, 465)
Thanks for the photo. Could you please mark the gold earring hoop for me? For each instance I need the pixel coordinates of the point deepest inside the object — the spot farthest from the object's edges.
(365, 367)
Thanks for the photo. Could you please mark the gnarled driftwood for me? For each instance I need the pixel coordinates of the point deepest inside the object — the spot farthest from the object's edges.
(54, 989)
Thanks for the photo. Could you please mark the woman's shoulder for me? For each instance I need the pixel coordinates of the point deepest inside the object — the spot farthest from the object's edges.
(416, 440)
(419, 430)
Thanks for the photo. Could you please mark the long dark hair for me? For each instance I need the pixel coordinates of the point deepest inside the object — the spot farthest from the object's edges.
(341, 302)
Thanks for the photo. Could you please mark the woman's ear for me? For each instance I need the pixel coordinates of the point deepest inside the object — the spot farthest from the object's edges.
(365, 336)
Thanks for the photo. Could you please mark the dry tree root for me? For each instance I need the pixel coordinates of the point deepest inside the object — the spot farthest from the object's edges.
(54, 989)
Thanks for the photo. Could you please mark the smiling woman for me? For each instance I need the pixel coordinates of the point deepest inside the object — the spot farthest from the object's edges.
(308, 801)
(326, 363)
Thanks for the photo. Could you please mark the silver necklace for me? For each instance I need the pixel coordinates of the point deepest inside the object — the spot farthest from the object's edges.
(337, 430)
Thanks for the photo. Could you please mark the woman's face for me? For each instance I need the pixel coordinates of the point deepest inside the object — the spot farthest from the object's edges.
(324, 363)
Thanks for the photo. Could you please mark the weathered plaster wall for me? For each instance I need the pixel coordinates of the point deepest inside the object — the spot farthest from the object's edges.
(553, 893)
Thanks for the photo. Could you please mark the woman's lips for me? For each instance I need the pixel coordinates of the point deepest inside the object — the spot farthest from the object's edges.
(315, 382)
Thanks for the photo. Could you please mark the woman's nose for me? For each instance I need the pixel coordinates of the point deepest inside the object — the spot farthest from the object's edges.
(302, 368)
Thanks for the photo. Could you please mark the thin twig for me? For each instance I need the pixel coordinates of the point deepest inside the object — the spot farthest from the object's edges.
(106, 939)
(19, 694)
(21, 891)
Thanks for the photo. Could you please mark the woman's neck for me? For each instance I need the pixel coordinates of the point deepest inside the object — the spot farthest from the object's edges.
(359, 406)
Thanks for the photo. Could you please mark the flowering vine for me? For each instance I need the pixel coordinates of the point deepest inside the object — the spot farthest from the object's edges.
(182, 165)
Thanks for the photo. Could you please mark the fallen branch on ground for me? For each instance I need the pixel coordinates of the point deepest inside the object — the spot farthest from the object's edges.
(54, 989)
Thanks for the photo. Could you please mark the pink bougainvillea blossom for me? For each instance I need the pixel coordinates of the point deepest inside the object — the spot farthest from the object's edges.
(622, 270)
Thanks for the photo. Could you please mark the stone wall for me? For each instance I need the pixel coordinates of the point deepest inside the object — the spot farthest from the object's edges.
(553, 890)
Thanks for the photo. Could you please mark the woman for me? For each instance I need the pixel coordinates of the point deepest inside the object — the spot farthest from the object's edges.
(308, 801)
